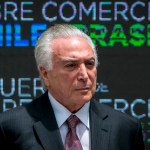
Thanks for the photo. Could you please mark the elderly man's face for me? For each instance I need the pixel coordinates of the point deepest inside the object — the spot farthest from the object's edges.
(72, 81)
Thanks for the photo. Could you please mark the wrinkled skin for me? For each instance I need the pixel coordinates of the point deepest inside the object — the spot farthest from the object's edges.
(72, 80)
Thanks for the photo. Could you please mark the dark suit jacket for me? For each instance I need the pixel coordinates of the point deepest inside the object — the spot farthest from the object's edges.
(34, 127)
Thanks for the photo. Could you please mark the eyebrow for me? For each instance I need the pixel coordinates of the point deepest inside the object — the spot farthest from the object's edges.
(76, 60)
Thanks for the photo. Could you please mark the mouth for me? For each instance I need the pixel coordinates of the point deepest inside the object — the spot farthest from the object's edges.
(85, 89)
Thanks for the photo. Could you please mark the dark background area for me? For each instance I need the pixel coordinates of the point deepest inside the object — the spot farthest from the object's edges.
(123, 73)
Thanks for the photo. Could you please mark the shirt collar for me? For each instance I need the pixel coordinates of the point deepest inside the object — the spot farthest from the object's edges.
(62, 113)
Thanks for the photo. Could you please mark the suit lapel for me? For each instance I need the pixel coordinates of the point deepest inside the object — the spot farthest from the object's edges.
(45, 128)
(100, 129)
(48, 133)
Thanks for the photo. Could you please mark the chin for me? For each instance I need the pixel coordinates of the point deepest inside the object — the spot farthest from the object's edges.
(86, 98)
(83, 98)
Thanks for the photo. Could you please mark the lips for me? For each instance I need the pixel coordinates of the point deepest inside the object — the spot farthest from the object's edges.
(83, 89)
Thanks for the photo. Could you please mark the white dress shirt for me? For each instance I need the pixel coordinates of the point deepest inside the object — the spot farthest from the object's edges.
(82, 129)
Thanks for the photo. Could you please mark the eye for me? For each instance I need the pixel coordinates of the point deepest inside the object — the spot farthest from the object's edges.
(90, 64)
(70, 66)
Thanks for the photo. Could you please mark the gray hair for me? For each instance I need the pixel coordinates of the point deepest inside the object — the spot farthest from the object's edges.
(43, 49)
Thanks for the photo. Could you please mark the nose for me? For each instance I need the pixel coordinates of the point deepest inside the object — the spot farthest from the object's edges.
(83, 74)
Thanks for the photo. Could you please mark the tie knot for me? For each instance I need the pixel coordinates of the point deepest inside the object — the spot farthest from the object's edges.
(72, 121)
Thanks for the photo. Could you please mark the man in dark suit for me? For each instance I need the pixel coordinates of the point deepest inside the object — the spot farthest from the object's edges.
(66, 59)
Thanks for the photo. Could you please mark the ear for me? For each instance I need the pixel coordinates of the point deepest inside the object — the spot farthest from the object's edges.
(44, 75)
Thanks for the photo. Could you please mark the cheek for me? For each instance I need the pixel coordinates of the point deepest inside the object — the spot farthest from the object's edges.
(93, 76)
(66, 81)
(94, 86)
(69, 77)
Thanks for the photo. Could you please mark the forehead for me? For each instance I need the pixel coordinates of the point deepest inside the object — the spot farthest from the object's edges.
(74, 47)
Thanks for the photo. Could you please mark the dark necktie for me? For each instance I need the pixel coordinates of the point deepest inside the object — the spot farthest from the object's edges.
(72, 140)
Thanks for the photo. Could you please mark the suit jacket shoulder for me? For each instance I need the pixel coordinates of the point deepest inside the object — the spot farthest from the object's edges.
(31, 127)
(116, 130)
